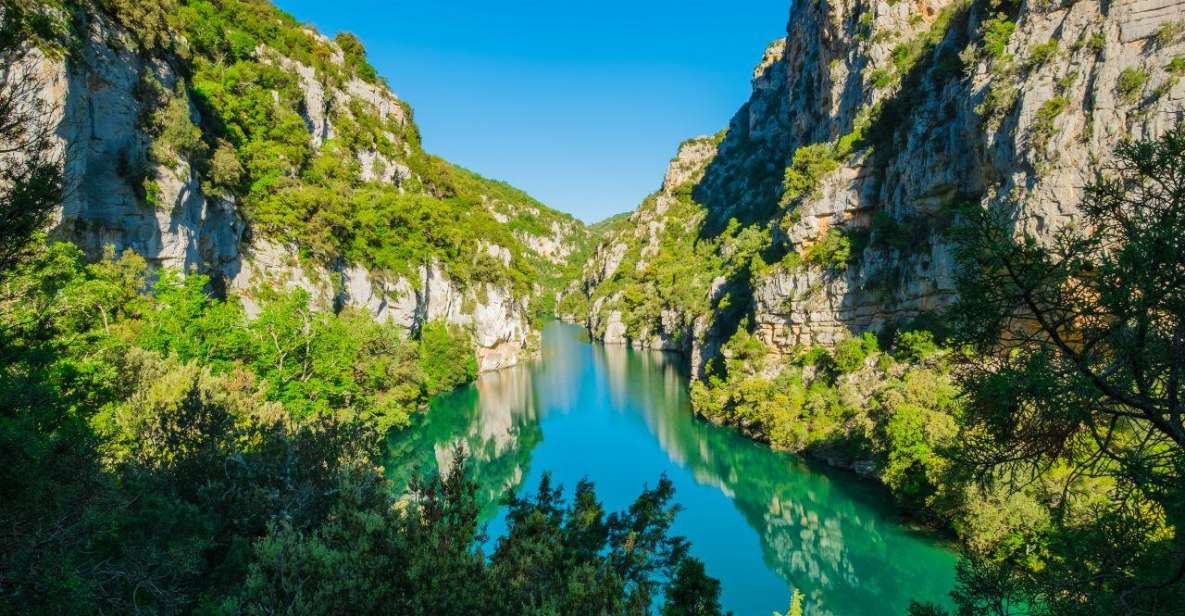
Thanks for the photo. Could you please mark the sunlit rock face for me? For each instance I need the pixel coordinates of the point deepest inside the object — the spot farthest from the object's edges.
(1028, 126)
(97, 106)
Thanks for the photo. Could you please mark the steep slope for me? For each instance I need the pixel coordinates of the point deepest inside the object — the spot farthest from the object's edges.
(821, 213)
(225, 138)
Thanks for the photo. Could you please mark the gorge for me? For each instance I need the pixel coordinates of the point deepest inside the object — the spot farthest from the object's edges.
(904, 337)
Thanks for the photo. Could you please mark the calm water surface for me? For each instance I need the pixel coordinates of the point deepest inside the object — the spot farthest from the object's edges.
(763, 522)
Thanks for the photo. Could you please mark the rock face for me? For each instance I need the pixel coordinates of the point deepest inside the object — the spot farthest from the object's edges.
(916, 116)
(119, 198)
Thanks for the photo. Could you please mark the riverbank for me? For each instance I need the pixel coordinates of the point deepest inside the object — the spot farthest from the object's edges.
(764, 522)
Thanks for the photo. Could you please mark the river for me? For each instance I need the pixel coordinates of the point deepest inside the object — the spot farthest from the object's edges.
(763, 522)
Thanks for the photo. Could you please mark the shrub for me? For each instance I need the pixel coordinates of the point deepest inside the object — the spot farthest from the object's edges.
(446, 357)
(177, 135)
(850, 353)
(1039, 55)
(152, 192)
(810, 164)
(1096, 42)
(997, 32)
(355, 55)
(1169, 33)
(915, 346)
(832, 252)
(225, 169)
(1176, 66)
(1042, 128)
(1131, 83)
(880, 78)
(1000, 99)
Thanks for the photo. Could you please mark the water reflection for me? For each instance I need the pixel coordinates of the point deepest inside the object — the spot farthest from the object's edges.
(621, 416)
(494, 421)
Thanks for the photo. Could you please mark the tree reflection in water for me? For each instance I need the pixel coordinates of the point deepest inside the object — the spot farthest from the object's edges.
(828, 534)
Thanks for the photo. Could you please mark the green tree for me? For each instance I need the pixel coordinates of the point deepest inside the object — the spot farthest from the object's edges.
(1078, 349)
(446, 357)
(30, 174)
(692, 592)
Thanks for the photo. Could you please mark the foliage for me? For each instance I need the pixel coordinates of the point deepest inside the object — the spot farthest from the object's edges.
(1042, 53)
(446, 357)
(850, 353)
(1176, 66)
(810, 165)
(796, 609)
(1073, 393)
(355, 55)
(192, 460)
(832, 252)
(880, 78)
(1042, 128)
(31, 182)
(1097, 42)
(1131, 83)
(855, 403)
(997, 32)
(176, 134)
(1169, 33)
(676, 278)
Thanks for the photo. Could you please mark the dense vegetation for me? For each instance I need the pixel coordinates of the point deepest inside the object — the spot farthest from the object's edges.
(673, 271)
(230, 103)
(1046, 431)
(160, 452)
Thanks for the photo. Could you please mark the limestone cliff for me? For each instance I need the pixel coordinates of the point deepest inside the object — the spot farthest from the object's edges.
(871, 124)
(129, 189)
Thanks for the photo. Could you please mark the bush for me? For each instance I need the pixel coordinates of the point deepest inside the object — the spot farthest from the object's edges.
(1131, 84)
(355, 55)
(177, 135)
(1096, 42)
(832, 252)
(850, 353)
(1176, 66)
(914, 346)
(1041, 54)
(226, 171)
(997, 31)
(1169, 33)
(808, 168)
(880, 78)
(1042, 128)
(446, 357)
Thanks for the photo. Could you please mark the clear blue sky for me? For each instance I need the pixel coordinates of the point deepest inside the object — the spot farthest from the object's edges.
(579, 103)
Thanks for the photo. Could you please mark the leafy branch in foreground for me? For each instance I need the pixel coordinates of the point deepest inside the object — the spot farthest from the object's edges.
(30, 173)
(1075, 379)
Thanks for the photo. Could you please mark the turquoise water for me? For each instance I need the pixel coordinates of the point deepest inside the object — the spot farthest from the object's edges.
(763, 522)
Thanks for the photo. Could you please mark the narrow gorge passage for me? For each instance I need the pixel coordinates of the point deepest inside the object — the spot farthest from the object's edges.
(763, 522)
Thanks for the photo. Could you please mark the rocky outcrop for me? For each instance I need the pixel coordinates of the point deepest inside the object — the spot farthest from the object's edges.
(911, 115)
(1029, 126)
(120, 197)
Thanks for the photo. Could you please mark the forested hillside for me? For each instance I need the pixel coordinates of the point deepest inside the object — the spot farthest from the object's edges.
(227, 139)
(893, 260)
(264, 274)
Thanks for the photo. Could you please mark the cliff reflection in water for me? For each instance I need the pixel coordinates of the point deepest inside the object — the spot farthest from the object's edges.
(494, 421)
(826, 533)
